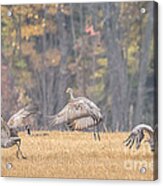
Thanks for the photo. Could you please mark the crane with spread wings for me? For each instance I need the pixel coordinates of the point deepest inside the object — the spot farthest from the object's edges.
(137, 135)
(9, 130)
(79, 113)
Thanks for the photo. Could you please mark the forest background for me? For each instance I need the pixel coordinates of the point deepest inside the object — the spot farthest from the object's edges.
(104, 51)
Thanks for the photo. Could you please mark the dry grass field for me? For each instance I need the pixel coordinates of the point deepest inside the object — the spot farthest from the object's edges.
(78, 155)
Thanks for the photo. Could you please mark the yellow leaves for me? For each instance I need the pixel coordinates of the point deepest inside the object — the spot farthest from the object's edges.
(32, 30)
(23, 99)
(101, 13)
(21, 64)
(13, 44)
(28, 50)
(4, 11)
(103, 62)
(133, 50)
(36, 16)
(18, 10)
(6, 21)
(99, 73)
(97, 89)
(98, 48)
(52, 9)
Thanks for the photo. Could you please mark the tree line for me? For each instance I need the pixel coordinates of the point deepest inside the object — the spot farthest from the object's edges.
(104, 51)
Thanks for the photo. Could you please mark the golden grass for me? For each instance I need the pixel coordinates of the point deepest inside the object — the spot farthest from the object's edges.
(78, 155)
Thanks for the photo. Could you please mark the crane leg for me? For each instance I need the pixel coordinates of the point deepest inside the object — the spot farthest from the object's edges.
(137, 143)
(19, 150)
(27, 127)
(94, 133)
(98, 134)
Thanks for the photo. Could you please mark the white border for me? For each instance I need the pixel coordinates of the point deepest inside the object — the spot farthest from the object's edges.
(69, 182)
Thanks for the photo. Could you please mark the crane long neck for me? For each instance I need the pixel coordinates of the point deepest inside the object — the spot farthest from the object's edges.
(72, 96)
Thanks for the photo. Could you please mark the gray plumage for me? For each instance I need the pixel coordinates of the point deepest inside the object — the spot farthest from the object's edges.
(78, 114)
(17, 119)
(9, 132)
(137, 136)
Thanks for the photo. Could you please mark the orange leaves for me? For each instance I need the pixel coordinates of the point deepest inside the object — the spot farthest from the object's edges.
(52, 9)
(90, 31)
(32, 30)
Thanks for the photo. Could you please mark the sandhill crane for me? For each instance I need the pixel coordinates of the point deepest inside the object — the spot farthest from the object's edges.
(78, 114)
(9, 132)
(137, 135)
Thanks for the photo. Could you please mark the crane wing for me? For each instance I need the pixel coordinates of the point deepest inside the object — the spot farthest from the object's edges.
(5, 131)
(82, 123)
(137, 135)
(17, 119)
(72, 111)
(89, 102)
(9, 136)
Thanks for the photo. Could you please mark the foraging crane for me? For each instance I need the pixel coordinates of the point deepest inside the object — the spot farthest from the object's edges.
(78, 114)
(137, 135)
(9, 132)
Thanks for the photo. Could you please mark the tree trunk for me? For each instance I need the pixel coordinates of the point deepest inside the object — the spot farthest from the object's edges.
(64, 47)
(143, 65)
(117, 70)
